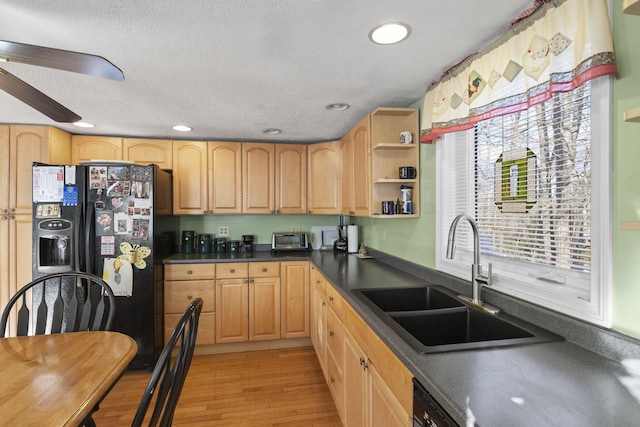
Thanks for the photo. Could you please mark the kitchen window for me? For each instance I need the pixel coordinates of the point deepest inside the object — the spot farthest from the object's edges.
(537, 182)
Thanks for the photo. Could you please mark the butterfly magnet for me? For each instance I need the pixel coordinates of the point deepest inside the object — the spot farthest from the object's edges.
(135, 254)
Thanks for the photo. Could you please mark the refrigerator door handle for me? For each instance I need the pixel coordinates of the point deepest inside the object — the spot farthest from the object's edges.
(89, 223)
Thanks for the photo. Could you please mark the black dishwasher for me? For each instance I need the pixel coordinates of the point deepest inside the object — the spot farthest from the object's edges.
(427, 412)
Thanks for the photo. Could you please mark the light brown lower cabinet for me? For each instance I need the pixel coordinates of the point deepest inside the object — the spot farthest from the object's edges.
(247, 301)
(184, 283)
(371, 387)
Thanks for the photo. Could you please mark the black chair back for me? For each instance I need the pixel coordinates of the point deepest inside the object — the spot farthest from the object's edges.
(62, 302)
(167, 379)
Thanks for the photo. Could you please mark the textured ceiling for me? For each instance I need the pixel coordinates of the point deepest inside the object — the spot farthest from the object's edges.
(230, 69)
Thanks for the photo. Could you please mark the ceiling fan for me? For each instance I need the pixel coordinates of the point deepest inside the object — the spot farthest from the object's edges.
(65, 60)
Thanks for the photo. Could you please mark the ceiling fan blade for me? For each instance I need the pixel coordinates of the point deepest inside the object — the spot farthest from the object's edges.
(65, 60)
(36, 99)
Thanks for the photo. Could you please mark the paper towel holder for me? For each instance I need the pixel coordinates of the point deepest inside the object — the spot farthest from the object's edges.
(353, 244)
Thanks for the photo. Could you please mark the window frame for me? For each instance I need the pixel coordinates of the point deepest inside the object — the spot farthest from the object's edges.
(513, 277)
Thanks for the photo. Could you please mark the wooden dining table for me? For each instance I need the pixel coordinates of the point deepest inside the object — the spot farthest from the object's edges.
(58, 379)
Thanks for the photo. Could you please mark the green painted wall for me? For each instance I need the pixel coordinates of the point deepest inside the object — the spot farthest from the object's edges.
(261, 226)
(414, 238)
(626, 176)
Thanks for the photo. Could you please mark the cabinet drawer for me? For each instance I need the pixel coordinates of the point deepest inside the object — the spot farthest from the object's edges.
(336, 385)
(334, 300)
(264, 269)
(335, 335)
(179, 294)
(232, 270)
(206, 327)
(189, 271)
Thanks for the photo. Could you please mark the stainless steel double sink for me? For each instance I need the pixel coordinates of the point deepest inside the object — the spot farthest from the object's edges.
(432, 320)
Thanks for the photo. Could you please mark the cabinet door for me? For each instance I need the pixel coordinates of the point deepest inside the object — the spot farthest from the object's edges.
(85, 148)
(264, 308)
(258, 178)
(190, 178)
(324, 178)
(291, 179)
(225, 177)
(346, 183)
(148, 151)
(355, 383)
(361, 161)
(15, 258)
(232, 310)
(355, 149)
(295, 299)
(28, 144)
(385, 409)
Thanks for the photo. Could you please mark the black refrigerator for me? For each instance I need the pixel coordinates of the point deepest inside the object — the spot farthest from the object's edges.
(114, 220)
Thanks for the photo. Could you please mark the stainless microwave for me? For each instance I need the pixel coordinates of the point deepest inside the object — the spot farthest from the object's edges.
(292, 241)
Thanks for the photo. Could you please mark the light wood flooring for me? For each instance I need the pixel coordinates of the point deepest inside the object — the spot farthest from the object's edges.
(260, 388)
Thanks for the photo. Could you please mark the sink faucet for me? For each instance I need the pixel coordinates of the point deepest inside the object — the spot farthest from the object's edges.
(477, 278)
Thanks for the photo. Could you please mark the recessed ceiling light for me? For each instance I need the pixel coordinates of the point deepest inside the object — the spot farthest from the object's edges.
(84, 124)
(339, 106)
(271, 131)
(182, 128)
(390, 33)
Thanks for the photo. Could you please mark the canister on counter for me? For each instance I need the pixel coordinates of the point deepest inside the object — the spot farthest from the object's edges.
(188, 241)
(219, 245)
(233, 246)
(204, 243)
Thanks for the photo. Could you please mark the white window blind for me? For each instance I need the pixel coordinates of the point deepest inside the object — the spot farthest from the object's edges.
(538, 184)
(533, 183)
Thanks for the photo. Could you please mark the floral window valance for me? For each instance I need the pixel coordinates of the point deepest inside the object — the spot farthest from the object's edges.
(559, 47)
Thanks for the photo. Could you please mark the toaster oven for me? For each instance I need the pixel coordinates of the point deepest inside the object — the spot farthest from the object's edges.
(292, 241)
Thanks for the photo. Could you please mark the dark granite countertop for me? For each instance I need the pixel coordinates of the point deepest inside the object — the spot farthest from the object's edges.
(590, 379)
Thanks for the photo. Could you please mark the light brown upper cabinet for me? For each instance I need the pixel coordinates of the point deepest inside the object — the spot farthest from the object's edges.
(324, 178)
(190, 178)
(86, 148)
(355, 154)
(291, 179)
(20, 146)
(225, 177)
(148, 151)
(258, 176)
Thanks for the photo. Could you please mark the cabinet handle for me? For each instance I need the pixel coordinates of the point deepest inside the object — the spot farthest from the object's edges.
(331, 380)
(366, 364)
(264, 270)
(189, 272)
(330, 299)
(189, 297)
(251, 281)
(362, 361)
(245, 281)
(232, 270)
(324, 303)
(331, 333)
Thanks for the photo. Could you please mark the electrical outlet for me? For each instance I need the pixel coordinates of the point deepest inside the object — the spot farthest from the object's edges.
(295, 228)
(382, 235)
(223, 230)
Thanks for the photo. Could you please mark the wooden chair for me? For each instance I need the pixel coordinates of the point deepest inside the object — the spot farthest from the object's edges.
(167, 379)
(62, 302)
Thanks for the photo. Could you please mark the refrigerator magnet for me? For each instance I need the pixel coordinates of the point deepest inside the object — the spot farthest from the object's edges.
(108, 245)
(104, 223)
(123, 223)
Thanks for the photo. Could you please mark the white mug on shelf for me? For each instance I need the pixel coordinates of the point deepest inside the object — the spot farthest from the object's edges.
(405, 137)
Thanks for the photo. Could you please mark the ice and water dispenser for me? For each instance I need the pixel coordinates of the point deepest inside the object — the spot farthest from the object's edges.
(55, 246)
